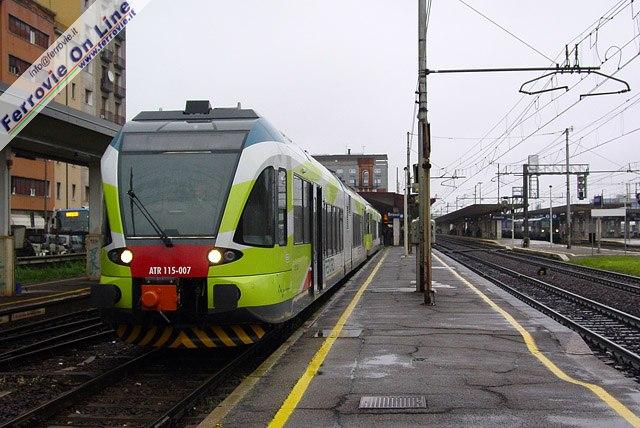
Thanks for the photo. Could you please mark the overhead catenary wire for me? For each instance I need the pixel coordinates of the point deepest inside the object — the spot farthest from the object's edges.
(598, 24)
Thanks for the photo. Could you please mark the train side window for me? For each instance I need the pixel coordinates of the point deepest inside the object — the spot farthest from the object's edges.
(324, 230)
(256, 226)
(308, 203)
(302, 203)
(298, 221)
(282, 207)
(335, 230)
(340, 231)
(357, 230)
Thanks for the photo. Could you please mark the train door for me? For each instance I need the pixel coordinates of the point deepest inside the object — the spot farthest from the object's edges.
(317, 247)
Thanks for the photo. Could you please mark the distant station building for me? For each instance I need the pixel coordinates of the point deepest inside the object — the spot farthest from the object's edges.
(362, 172)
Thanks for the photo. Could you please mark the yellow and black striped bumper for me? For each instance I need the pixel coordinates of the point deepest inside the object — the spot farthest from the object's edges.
(214, 336)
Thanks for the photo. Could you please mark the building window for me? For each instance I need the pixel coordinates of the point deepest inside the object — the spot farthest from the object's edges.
(352, 171)
(339, 171)
(73, 91)
(73, 192)
(88, 97)
(28, 186)
(17, 66)
(58, 190)
(27, 32)
(365, 178)
(352, 181)
(377, 170)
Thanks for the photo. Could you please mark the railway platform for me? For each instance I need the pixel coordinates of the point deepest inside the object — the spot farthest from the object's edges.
(45, 298)
(376, 356)
(561, 251)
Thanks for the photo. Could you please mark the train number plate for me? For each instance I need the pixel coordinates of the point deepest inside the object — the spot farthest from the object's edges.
(169, 270)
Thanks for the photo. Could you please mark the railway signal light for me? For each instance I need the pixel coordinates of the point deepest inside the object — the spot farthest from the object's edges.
(582, 187)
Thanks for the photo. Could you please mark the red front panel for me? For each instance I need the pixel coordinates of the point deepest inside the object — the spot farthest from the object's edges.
(179, 261)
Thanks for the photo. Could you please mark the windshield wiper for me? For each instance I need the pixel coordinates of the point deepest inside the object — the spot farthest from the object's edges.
(161, 233)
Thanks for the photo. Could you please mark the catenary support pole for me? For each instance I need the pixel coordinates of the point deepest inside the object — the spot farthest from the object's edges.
(6, 240)
(525, 205)
(407, 183)
(626, 217)
(425, 143)
(550, 216)
(93, 242)
(568, 188)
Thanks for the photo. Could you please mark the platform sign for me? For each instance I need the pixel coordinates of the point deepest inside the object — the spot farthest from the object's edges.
(608, 212)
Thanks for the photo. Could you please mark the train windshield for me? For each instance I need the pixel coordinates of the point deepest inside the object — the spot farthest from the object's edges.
(184, 191)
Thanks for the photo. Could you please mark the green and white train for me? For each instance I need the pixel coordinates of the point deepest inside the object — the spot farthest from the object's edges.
(219, 228)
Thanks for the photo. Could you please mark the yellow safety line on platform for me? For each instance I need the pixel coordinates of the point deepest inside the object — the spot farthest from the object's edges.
(610, 400)
(47, 297)
(301, 386)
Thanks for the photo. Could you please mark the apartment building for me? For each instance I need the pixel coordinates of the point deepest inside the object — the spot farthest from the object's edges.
(27, 28)
(364, 173)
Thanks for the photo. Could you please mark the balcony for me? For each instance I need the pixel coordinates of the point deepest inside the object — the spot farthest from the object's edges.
(119, 62)
(106, 85)
(106, 55)
(120, 91)
(120, 120)
(107, 115)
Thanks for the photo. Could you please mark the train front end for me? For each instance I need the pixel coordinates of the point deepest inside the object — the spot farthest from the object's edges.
(172, 275)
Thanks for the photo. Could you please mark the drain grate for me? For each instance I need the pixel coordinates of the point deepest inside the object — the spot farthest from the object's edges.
(393, 402)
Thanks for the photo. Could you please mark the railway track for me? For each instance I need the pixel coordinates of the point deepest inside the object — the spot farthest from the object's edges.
(615, 280)
(45, 336)
(52, 259)
(615, 333)
(157, 388)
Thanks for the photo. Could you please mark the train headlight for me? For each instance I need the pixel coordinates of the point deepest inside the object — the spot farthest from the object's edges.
(126, 256)
(214, 256)
(121, 256)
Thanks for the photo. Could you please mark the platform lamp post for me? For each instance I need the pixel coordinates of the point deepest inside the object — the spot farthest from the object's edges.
(550, 217)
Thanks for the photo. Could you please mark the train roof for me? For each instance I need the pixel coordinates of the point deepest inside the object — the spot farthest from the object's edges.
(197, 110)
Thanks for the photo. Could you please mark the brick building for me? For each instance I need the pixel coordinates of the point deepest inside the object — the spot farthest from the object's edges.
(364, 173)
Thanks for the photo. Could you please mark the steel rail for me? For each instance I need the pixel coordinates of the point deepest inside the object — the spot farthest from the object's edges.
(52, 343)
(623, 354)
(40, 413)
(171, 416)
(45, 322)
(44, 260)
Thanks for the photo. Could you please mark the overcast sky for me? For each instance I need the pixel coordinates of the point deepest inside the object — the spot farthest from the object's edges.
(338, 74)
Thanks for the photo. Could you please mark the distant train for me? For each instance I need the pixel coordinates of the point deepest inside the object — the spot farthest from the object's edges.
(538, 229)
(219, 227)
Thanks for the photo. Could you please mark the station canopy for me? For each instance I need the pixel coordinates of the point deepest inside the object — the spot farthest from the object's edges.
(473, 212)
(65, 134)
